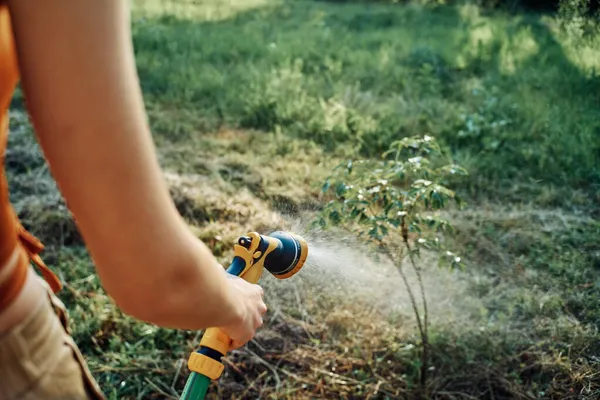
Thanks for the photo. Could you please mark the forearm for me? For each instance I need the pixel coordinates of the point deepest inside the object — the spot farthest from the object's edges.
(78, 74)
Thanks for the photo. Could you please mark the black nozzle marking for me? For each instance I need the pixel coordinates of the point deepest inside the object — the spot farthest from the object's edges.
(286, 256)
(245, 241)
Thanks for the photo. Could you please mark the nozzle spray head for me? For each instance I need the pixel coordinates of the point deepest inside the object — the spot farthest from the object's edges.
(282, 253)
(288, 257)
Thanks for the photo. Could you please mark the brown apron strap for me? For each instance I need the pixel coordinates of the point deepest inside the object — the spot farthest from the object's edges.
(29, 250)
(10, 288)
(33, 247)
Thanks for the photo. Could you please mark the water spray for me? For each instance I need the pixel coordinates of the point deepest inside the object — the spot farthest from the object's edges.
(283, 254)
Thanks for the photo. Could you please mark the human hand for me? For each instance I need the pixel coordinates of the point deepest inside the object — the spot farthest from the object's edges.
(249, 297)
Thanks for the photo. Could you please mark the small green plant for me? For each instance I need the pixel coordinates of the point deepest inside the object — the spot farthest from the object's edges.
(398, 200)
(578, 18)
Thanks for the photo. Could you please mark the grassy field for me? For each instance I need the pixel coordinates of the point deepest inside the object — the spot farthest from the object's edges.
(252, 104)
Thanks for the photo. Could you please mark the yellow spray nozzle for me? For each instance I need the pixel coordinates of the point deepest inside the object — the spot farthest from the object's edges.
(283, 254)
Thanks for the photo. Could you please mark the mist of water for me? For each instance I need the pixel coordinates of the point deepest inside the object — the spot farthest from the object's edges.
(347, 270)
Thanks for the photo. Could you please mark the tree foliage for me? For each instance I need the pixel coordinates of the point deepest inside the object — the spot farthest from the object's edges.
(403, 193)
(397, 200)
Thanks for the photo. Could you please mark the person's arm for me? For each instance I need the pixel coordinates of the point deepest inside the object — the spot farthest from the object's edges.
(80, 82)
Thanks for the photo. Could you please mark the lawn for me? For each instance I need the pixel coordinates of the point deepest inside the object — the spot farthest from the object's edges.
(253, 103)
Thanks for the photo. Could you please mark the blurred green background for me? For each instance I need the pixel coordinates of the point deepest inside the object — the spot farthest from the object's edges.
(252, 103)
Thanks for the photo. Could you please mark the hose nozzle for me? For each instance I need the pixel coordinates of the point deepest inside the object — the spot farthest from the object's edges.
(282, 253)
(288, 257)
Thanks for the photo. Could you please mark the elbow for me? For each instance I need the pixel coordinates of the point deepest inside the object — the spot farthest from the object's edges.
(177, 287)
(137, 303)
(155, 309)
(166, 301)
(137, 307)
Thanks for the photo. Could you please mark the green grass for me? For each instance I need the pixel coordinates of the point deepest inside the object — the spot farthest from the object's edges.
(252, 103)
(362, 77)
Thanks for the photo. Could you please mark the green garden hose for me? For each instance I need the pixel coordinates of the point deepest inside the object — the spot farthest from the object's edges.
(195, 387)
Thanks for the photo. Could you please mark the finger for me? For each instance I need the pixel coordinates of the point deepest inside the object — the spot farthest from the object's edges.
(262, 308)
(235, 344)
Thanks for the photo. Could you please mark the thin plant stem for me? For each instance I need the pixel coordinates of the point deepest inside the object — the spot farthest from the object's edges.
(424, 331)
(425, 354)
(420, 279)
(413, 300)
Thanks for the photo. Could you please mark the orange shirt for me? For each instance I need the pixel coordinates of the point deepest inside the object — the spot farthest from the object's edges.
(9, 77)
(12, 233)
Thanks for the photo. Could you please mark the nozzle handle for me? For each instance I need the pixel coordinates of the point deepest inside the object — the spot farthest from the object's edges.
(215, 343)
(216, 340)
